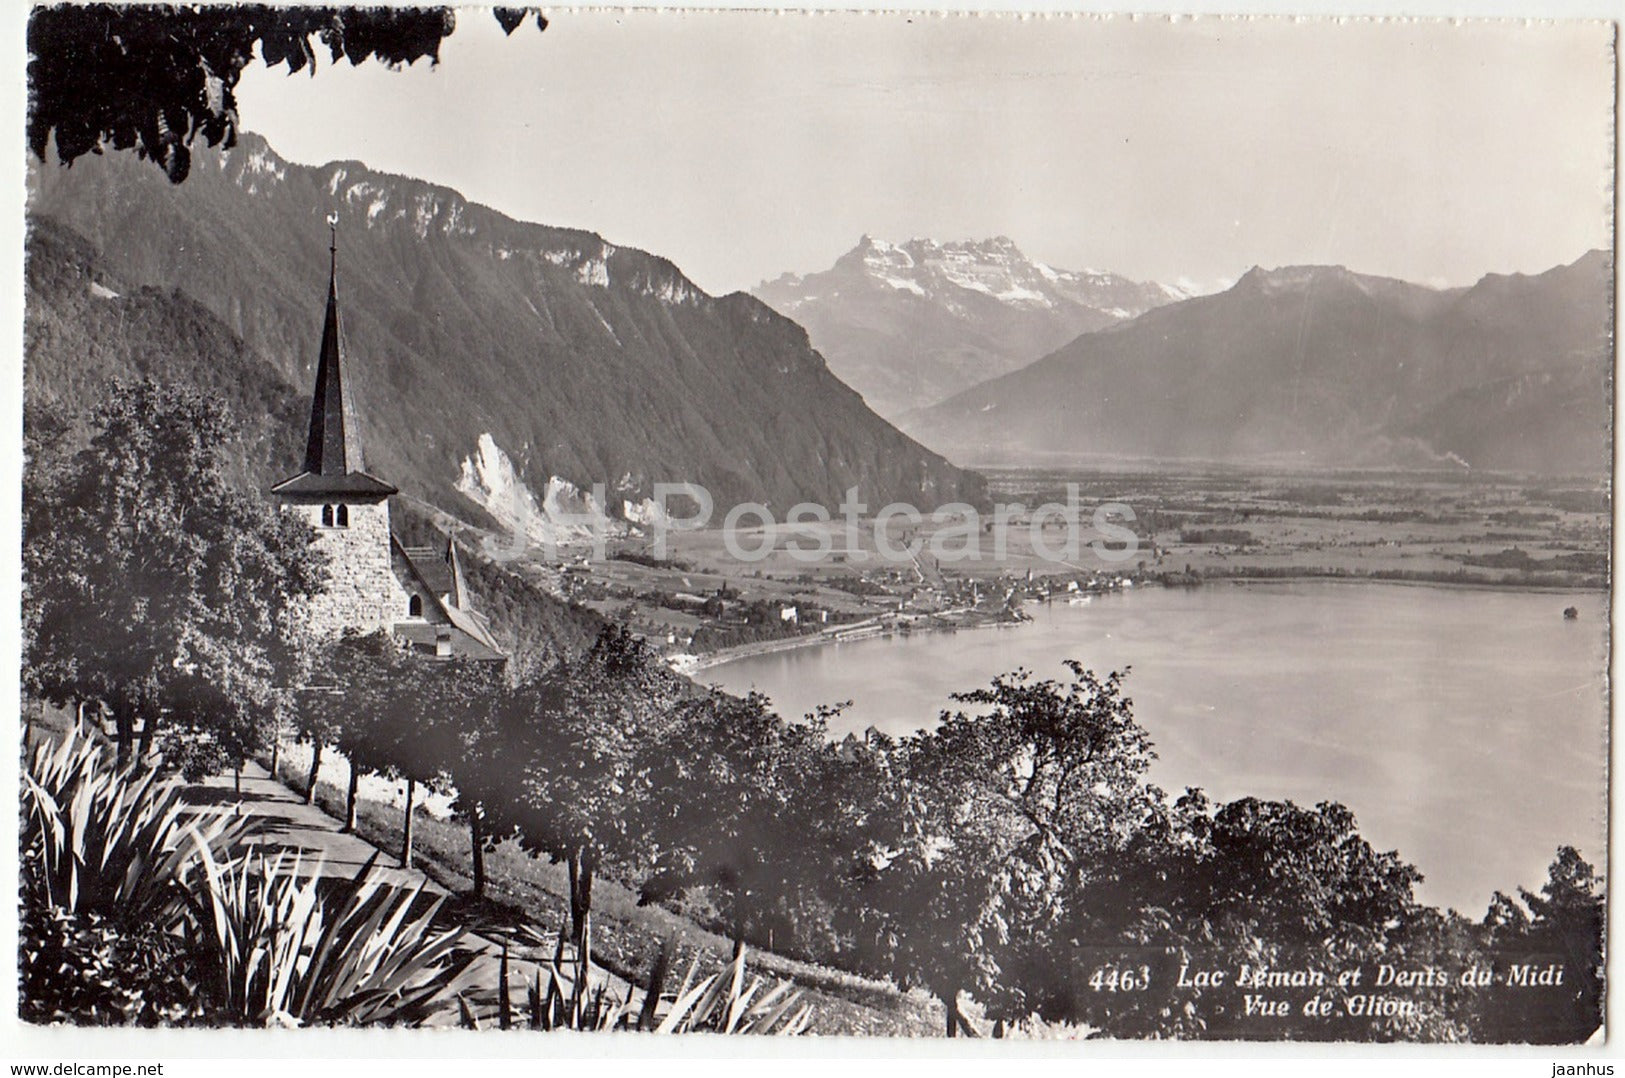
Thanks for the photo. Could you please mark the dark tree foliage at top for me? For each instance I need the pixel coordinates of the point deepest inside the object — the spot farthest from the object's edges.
(154, 78)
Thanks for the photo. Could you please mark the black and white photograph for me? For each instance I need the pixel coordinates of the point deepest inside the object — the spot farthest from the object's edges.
(909, 526)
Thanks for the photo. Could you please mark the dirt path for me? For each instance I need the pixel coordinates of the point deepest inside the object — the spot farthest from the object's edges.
(287, 823)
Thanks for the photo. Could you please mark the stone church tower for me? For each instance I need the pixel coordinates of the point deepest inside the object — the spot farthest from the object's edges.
(348, 507)
(417, 594)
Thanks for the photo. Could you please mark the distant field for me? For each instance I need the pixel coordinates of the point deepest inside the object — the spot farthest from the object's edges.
(1226, 522)
(699, 597)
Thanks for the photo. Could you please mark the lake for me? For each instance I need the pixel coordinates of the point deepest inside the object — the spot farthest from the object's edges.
(1465, 728)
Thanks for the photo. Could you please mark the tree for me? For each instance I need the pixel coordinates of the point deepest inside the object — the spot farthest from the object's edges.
(154, 78)
(577, 770)
(329, 711)
(733, 805)
(434, 706)
(1267, 884)
(997, 817)
(156, 590)
(1562, 926)
(475, 702)
(337, 705)
(396, 713)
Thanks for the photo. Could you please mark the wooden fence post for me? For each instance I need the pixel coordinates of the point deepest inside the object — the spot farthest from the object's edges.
(406, 827)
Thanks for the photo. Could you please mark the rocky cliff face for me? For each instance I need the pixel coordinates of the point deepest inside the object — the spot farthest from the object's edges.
(474, 338)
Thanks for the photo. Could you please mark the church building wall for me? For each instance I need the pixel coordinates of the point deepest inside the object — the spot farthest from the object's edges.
(362, 590)
(428, 609)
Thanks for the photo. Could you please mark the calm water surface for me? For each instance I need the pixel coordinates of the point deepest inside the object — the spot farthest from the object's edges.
(1465, 728)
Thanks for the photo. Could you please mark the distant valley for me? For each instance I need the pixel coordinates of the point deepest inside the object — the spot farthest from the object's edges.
(910, 324)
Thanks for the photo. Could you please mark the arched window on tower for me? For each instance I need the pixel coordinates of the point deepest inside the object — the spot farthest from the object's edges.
(327, 516)
(344, 516)
(414, 606)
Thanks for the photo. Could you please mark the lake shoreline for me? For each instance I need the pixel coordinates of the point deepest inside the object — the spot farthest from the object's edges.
(694, 664)
(1449, 585)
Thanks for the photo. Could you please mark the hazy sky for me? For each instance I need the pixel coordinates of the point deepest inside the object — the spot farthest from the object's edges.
(742, 145)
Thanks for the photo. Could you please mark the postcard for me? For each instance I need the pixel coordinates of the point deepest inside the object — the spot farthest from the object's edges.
(857, 524)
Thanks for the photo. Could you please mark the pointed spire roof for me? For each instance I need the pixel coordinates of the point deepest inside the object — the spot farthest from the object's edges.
(333, 460)
(334, 447)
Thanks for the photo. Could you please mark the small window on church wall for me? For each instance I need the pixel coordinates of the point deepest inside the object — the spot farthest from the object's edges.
(414, 606)
(327, 516)
(344, 516)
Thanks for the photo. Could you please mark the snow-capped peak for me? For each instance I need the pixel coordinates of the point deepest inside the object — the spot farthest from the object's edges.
(975, 271)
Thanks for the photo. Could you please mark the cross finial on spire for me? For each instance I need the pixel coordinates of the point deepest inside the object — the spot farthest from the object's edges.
(333, 239)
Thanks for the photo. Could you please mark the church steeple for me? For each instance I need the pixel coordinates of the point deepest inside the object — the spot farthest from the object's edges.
(333, 460)
(334, 447)
(416, 594)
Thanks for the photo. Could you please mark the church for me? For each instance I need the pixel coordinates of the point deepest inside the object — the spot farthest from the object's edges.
(417, 594)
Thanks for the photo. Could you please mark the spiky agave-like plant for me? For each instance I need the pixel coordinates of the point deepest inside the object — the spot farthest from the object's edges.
(726, 1003)
(285, 947)
(721, 1002)
(114, 842)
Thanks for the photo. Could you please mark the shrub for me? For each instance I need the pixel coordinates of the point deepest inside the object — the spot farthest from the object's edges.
(135, 911)
(86, 969)
(722, 1002)
(113, 842)
(284, 947)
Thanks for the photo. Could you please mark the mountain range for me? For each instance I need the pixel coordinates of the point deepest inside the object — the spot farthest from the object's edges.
(1319, 366)
(495, 365)
(910, 324)
(499, 366)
